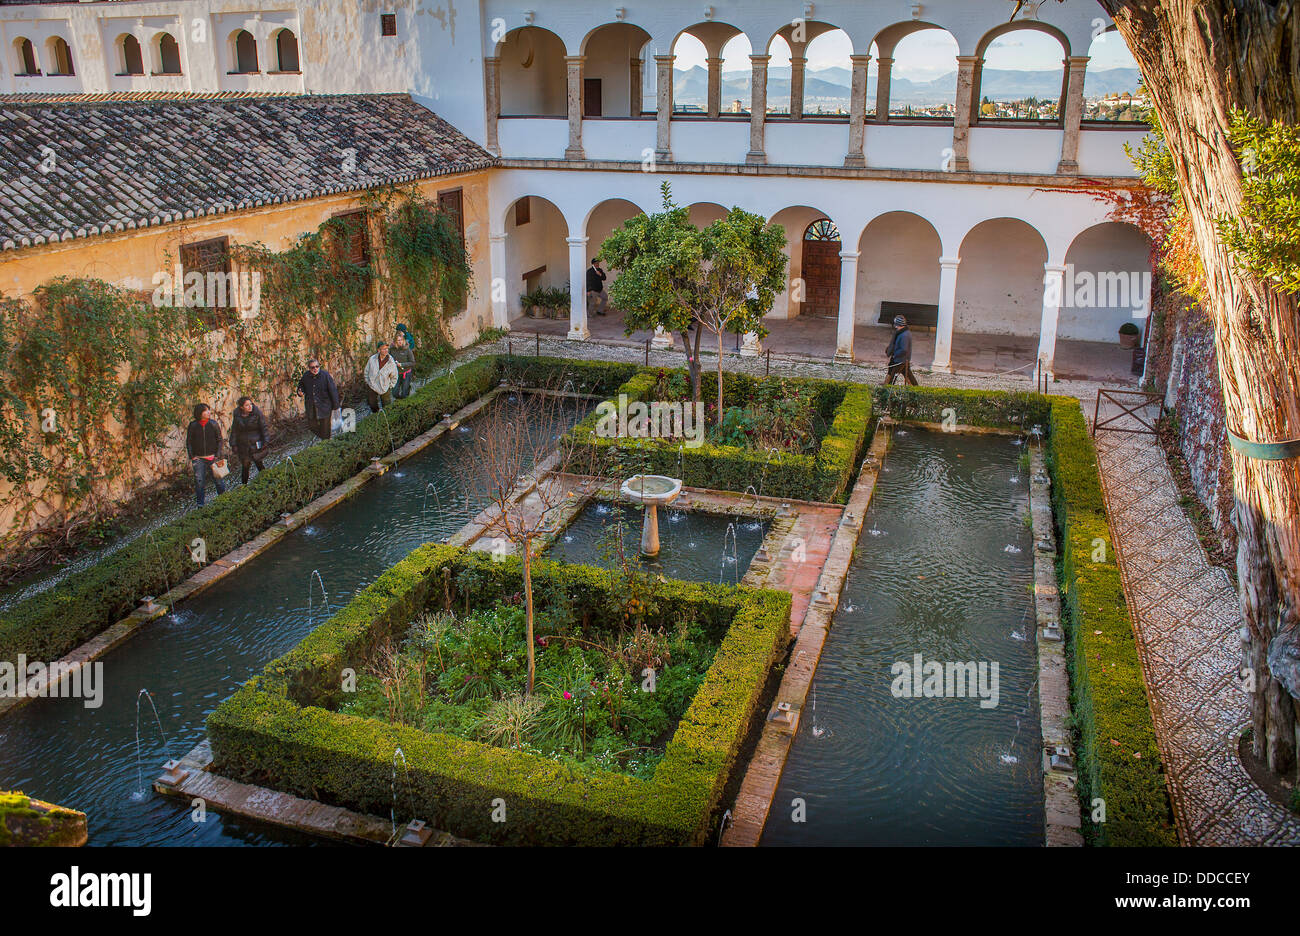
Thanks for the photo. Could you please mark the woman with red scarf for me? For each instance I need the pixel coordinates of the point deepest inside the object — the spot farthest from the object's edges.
(203, 445)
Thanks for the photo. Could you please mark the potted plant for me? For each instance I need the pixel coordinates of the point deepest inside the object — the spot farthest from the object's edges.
(532, 303)
(1128, 335)
(557, 301)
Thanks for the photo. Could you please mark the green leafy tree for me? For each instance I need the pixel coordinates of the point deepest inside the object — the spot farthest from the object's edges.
(675, 276)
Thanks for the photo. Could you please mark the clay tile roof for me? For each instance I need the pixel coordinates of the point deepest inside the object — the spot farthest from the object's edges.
(123, 164)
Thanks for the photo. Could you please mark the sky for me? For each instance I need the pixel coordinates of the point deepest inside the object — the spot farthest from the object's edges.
(922, 56)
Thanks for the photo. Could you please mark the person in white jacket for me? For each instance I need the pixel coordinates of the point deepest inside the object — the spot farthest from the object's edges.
(381, 377)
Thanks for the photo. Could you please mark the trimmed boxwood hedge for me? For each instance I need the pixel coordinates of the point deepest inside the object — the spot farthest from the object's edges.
(1119, 761)
(278, 732)
(48, 625)
(987, 409)
(824, 476)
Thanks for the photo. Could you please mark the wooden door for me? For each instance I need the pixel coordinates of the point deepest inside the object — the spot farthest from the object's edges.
(591, 104)
(821, 270)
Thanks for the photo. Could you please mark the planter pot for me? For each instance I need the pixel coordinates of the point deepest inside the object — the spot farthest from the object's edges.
(1128, 341)
(530, 311)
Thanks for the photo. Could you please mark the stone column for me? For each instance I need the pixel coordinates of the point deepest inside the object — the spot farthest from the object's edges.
(664, 106)
(947, 313)
(577, 288)
(1076, 66)
(883, 66)
(966, 67)
(857, 111)
(497, 263)
(634, 92)
(750, 345)
(1053, 294)
(798, 67)
(573, 64)
(492, 78)
(848, 306)
(714, 105)
(757, 110)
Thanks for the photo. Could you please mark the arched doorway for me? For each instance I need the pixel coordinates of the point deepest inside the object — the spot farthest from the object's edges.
(821, 270)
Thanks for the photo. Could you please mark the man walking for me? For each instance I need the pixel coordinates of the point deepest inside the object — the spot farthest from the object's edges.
(381, 377)
(899, 353)
(596, 299)
(320, 398)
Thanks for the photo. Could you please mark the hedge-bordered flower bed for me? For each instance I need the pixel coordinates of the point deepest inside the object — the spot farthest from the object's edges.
(824, 476)
(277, 731)
(48, 625)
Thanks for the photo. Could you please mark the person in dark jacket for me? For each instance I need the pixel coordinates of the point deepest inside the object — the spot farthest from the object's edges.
(248, 436)
(320, 397)
(405, 359)
(899, 353)
(203, 445)
(596, 300)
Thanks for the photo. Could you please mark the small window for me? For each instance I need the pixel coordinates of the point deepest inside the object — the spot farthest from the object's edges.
(132, 59)
(523, 211)
(60, 56)
(451, 203)
(26, 57)
(169, 55)
(215, 307)
(245, 53)
(286, 51)
(388, 24)
(354, 243)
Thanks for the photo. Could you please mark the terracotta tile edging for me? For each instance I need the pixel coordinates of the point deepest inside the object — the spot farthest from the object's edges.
(116, 634)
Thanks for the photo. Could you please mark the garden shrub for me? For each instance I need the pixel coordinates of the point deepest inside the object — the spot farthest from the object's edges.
(844, 409)
(277, 730)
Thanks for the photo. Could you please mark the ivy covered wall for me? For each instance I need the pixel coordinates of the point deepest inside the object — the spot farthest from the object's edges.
(97, 379)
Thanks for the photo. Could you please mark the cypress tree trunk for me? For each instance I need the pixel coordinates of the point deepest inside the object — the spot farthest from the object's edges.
(1201, 59)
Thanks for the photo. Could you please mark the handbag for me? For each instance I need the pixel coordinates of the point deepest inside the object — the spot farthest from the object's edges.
(220, 469)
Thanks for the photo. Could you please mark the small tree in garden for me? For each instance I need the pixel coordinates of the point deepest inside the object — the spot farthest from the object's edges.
(512, 449)
(674, 276)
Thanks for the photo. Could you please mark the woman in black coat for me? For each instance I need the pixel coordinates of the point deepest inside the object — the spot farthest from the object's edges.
(248, 435)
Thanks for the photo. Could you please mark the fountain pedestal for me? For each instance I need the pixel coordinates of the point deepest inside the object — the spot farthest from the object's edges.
(650, 491)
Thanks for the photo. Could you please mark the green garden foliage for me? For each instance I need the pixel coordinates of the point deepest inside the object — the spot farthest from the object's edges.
(1265, 238)
(843, 413)
(981, 408)
(1119, 762)
(279, 730)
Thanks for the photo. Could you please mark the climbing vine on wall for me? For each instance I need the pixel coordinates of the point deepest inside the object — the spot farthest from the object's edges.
(425, 270)
(93, 376)
(116, 372)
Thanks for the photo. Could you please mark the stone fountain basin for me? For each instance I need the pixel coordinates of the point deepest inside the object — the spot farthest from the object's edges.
(652, 490)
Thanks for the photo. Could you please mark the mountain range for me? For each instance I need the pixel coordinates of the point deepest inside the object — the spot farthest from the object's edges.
(829, 87)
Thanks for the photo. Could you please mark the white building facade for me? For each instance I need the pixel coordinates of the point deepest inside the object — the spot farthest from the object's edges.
(991, 223)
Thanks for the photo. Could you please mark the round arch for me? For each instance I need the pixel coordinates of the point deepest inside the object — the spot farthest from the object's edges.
(130, 55)
(533, 75)
(536, 248)
(613, 70)
(1001, 30)
(898, 261)
(1000, 279)
(812, 242)
(243, 52)
(167, 54)
(1107, 282)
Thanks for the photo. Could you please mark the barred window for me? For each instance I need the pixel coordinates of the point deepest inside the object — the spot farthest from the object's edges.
(212, 304)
